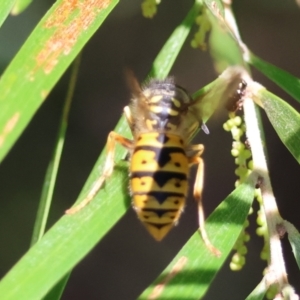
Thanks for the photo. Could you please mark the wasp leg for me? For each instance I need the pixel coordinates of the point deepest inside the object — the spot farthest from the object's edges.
(198, 188)
(128, 116)
(112, 138)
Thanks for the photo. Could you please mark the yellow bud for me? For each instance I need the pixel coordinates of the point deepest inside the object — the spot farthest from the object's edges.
(235, 152)
(237, 120)
(226, 127)
(235, 267)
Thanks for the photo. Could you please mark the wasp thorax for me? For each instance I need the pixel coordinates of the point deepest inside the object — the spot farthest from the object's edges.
(166, 104)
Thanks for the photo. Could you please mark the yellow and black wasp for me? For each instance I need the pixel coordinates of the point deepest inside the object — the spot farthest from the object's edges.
(163, 119)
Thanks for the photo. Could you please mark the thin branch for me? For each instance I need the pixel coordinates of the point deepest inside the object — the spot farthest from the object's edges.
(276, 268)
(273, 218)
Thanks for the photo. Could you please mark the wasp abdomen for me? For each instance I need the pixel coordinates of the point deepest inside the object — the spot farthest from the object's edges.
(159, 170)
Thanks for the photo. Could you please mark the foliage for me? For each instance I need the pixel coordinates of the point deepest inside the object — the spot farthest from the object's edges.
(37, 67)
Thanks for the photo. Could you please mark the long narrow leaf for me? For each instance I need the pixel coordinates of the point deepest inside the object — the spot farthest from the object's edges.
(224, 47)
(285, 80)
(64, 245)
(52, 170)
(45, 56)
(20, 6)
(57, 291)
(294, 239)
(259, 292)
(284, 118)
(6, 6)
(51, 175)
(166, 58)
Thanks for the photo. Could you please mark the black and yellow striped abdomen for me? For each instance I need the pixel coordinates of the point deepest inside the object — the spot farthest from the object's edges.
(159, 186)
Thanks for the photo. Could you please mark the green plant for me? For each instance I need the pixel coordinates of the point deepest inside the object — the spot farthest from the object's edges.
(47, 53)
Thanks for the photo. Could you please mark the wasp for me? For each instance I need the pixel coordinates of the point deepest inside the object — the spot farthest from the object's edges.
(163, 119)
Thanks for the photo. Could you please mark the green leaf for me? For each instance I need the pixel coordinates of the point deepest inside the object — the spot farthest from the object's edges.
(285, 80)
(167, 55)
(191, 272)
(6, 7)
(51, 175)
(259, 292)
(42, 60)
(57, 291)
(73, 236)
(20, 6)
(70, 239)
(294, 238)
(224, 46)
(284, 118)
(52, 170)
(215, 7)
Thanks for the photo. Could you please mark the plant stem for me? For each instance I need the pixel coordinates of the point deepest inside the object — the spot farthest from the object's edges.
(253, 131)
(273, 218)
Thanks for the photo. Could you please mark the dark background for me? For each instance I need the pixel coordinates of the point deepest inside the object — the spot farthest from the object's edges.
(128, 259)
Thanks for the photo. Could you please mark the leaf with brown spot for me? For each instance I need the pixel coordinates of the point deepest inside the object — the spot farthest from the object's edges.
(47, 53)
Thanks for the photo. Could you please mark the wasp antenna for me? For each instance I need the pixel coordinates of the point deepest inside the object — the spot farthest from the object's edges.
(205, 128)
(132, 82)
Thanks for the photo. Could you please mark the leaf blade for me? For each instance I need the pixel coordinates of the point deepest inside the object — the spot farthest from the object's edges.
(285, 80)
(284, 119)
(20, 6)
(68, 240)
(6, 7)
(42, 60)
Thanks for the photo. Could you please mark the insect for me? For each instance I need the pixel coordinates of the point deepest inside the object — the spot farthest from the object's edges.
(235, 102)
(163, 119)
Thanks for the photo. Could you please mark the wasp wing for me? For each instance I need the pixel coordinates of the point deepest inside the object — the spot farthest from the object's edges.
(218, 93)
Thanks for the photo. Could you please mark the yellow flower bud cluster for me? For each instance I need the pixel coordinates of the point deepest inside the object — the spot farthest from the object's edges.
(242, 155)
(200, 36)
(262, 229)
(239, 150)
(149, 8)
(272, 291)
(238, 260)
(244, 166)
